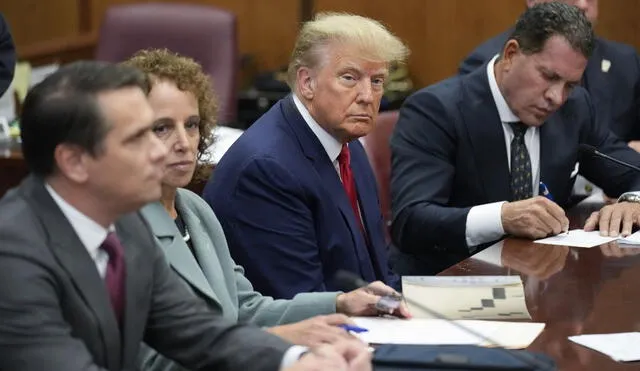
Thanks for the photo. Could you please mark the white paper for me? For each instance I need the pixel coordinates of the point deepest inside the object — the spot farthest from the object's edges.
(580, 238)
(623, 347)
(414, 331)
(466, 297)
(224, 137)
(633, 239)
(466, 281)
(577, 238)
(514, 335)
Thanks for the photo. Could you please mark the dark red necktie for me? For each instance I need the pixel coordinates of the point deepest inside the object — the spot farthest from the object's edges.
(344, 160)
(115, 276)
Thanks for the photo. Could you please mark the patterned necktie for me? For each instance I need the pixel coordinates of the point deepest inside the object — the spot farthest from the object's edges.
(344, 160)
(521, 187)
(115, 276)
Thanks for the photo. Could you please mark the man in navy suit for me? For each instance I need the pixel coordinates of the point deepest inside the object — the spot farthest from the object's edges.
(612, 76)
(7, 56)
(471, 154)
(295, 194)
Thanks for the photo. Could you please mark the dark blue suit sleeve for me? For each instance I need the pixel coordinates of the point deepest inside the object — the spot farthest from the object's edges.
(423, 150)
(612, 178)
(271, 231)
(635, 132)
(474, 61)
(7, 56)
(483, 53)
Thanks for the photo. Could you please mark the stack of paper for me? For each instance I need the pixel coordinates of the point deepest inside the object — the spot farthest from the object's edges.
(512, 335)
(624, 347)
(466, 297)
(580, 238)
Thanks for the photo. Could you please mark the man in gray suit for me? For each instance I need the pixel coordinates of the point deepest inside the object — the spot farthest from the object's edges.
(81, 281)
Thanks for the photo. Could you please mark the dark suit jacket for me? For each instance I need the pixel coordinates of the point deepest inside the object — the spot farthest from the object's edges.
(286, 215)
(615, 93)
(7, 56)
(56, 313)
(449, 154)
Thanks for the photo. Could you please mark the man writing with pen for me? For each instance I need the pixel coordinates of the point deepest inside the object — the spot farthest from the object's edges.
(496, 152)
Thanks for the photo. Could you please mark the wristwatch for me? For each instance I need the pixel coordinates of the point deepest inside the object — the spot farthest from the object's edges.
(629, 197)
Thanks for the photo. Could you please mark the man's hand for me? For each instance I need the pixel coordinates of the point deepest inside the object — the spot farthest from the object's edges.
(345, 355)
(533, 218)
(362, 302)
(540, 261)
(614, 220)
(314, 331)
(635, 144)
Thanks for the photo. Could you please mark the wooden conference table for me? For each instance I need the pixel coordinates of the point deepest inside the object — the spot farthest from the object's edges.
(572, 290)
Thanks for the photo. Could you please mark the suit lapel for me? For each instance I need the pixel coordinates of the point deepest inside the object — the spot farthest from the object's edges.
(134, 320)
(75, 259)
(329, 177)
(175, 249)
(486, 136)
(369, 206)
(209, 272)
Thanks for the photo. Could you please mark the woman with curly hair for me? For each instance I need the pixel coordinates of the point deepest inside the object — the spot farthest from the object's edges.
(191, 236)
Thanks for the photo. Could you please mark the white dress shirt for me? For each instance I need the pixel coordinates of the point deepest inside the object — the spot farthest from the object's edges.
(484, 222)
(92, 235)
(329, 143)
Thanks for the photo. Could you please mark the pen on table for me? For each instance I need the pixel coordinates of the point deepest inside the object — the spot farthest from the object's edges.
(544, 191)
(352, 328)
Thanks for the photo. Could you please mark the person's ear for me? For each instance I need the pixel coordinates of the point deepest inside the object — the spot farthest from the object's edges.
(71, 161)
(509, 52)
(306, 82)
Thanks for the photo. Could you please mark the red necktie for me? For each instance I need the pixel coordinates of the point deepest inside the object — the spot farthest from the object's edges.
(115, 275)
(344, 160)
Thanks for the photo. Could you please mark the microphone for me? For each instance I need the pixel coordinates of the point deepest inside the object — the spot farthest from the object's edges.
(348, 281)
(593, 151)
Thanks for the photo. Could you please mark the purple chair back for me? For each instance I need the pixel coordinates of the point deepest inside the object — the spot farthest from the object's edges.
(204, 33)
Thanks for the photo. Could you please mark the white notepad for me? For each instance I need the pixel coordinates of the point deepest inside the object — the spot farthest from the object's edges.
(466, 297)
(514, 335)
(580, 238)
(623, 347)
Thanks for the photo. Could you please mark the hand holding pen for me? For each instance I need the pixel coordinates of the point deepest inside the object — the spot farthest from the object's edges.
(534, 218)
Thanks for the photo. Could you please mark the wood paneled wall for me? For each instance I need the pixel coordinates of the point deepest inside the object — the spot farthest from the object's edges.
(439, 32)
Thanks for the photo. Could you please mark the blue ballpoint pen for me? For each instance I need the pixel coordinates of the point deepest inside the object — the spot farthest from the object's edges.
(351, 328)
(544, 191)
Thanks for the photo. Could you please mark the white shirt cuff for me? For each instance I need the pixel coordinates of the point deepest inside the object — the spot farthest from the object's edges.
(292, 355)
(484, 224)
(492, 254)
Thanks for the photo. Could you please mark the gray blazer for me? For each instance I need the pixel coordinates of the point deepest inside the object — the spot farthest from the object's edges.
(217, 278)
(55, 308)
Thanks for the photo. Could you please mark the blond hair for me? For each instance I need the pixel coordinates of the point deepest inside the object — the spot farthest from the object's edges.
(368, 36)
